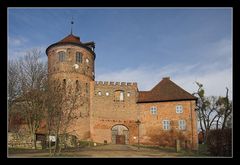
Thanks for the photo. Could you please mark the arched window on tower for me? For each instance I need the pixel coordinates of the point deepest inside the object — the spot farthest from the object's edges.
(78, 57)
(61, 56)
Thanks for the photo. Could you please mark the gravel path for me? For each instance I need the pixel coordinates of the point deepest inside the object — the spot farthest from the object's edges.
(106, 151)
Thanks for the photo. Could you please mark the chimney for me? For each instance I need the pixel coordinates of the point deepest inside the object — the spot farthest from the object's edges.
(166, 78)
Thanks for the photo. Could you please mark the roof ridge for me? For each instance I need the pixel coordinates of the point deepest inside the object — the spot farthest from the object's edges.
(165, 90)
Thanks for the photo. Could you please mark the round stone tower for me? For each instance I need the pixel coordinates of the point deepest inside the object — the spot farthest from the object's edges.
(71, 61)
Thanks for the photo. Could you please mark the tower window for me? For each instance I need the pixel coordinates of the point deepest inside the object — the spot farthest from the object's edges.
(77, 85)
(78, 57)
(61, 56)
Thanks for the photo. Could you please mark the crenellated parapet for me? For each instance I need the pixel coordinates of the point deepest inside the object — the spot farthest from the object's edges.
(111, 83)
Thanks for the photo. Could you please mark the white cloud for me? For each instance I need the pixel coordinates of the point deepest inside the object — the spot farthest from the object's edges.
(20, 52)
(213, 69)
(16, 41)
(214, 81)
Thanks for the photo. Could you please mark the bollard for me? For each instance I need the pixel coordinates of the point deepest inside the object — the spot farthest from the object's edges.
(177, 145)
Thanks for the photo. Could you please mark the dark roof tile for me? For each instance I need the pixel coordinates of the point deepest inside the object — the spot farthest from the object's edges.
(165, 90)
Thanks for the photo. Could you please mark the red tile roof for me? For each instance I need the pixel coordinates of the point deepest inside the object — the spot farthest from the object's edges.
(165, 90)
(74, 40)
(71, 38)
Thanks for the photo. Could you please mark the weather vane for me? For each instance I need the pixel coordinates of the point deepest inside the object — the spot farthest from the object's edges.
(72, 25)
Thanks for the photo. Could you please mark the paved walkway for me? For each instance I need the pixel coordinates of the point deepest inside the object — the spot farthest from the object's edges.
(107, 151)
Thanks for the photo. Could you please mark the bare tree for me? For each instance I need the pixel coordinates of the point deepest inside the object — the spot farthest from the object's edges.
(13, 93)
(63, 101)
(32, 73)
(213, 112)
(225, 110)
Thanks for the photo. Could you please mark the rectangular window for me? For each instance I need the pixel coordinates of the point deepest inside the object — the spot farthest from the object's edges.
(182, 124)
(166, 124)
(121, 96)
(61, 56)
(78, 57)
(153, 110)
(179, 109)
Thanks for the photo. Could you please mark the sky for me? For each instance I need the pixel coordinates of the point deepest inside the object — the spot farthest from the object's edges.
(140, 45)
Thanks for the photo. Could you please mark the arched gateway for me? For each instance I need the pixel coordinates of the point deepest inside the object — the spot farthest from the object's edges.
(120, 134)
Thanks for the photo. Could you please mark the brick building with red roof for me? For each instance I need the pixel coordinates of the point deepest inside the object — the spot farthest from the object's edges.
(117, 112)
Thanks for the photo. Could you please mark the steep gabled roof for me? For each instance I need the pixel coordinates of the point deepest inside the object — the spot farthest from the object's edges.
(165, 90)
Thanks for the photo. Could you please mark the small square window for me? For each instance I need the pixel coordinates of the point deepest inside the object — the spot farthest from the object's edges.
(99, 93)
(107, 93)
(153, 110)
(128, 94)
(179, 109)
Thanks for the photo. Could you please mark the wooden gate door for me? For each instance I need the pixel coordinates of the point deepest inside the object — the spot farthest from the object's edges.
(120, 139)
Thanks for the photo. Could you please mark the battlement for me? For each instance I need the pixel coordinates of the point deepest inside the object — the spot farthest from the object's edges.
(111, 83)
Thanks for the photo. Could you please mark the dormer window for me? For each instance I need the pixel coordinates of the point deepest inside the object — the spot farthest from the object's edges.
(78, 57)
(61, 56)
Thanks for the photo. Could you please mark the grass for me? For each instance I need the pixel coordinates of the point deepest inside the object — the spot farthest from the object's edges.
(167, 149)
(202, 152)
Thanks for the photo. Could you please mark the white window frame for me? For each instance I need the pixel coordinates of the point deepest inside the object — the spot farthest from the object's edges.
(182, 125)
(166, 124)
(153, 110)
(179, 109)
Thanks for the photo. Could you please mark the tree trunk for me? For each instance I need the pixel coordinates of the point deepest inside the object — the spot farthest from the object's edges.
(206, 135)
(56, 145)
(34, 141)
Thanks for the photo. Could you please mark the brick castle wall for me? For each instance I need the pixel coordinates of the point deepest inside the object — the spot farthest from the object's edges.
(107, 111)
